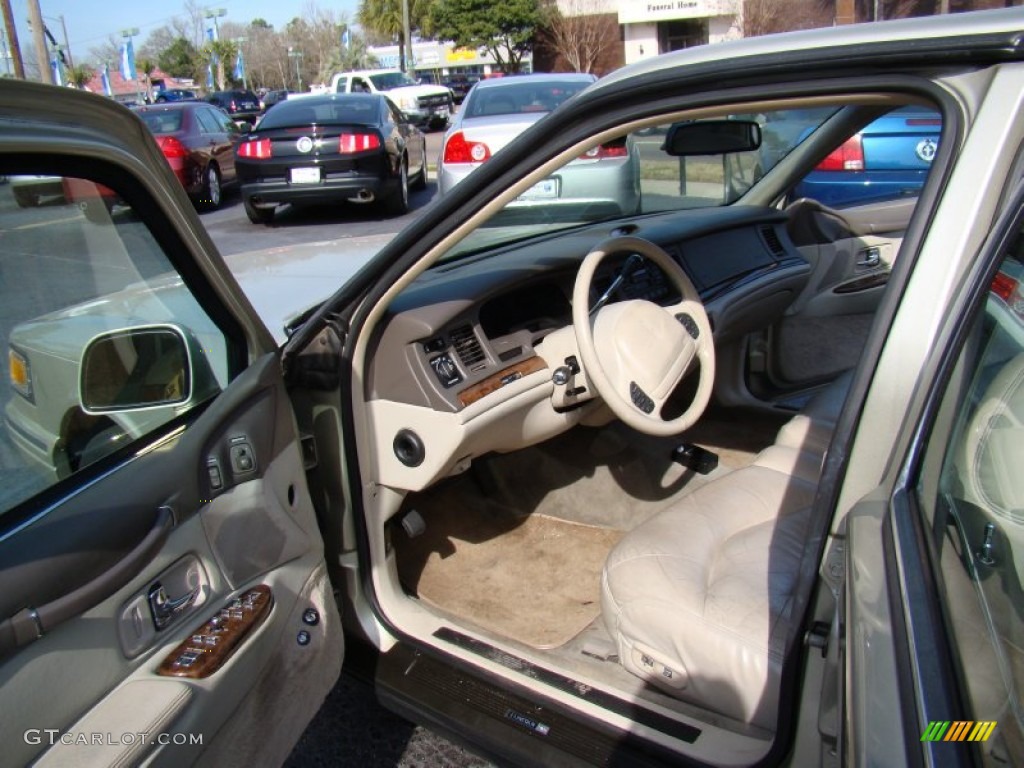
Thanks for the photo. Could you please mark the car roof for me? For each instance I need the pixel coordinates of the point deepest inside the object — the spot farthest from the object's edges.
(167, 106)
(312, 99)
(537, 77)
(950, 28)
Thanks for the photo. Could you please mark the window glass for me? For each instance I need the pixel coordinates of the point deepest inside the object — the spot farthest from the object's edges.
(79, 271)
(208, 121)
(972, 493)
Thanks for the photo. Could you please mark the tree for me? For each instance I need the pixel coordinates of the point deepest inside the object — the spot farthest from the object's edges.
(221, 51)
(145, 67)
(384, 19)
(504, 29)
(80, 75)
(578, 31)
(179, 59)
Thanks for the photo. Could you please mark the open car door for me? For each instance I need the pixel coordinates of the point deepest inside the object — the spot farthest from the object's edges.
(163, 591)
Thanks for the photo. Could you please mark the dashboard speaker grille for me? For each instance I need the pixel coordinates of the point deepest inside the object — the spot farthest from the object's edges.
(467, 346)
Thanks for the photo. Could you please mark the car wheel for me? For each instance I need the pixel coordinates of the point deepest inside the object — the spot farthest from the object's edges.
(421, 176)
(398, 203)
(258, 214)
(212, 194)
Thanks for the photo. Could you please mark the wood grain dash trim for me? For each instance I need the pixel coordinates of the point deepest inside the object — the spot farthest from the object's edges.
(505, 376)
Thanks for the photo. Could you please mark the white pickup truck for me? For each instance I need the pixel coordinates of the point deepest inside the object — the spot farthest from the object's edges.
(427, 105)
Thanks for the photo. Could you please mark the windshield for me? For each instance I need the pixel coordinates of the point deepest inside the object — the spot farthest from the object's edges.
(385, 81)
(513, 97)
(635, 174)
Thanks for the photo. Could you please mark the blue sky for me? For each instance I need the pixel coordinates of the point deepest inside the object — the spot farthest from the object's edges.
(91, 22)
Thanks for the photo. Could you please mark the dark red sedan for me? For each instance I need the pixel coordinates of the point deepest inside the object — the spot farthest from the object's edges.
(199, 141)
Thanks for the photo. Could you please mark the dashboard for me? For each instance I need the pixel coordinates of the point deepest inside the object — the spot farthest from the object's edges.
(471, 347)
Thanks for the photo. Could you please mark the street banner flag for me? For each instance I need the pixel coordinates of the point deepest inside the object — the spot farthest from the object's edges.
(239, 65)
(128, 61)
(105, 80)
(209, 75)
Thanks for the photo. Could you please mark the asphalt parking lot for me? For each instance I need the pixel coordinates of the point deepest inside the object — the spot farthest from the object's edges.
(351, 728)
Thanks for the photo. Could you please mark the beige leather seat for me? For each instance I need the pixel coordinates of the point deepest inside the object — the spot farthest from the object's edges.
(699, 599)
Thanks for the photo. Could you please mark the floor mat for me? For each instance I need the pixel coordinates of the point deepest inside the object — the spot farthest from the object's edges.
(533, 579)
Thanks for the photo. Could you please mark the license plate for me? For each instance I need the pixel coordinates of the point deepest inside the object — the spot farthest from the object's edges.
(542, 190)
(305, 175)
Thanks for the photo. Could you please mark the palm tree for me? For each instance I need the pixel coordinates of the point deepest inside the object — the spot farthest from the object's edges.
(221, 50)
(146, 67)
(80, 76)
(384, 17)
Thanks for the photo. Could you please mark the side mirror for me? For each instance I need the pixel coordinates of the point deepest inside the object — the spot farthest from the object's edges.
(136, 368)
(712, 137)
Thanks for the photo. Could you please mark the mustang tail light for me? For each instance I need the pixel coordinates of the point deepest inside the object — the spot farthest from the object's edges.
(171, 147)
(352, 143)
(259, 149)
(458, 150)
(848, 157)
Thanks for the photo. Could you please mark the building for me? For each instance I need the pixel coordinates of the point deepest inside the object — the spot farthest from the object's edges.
(437, 60)
(650, 27)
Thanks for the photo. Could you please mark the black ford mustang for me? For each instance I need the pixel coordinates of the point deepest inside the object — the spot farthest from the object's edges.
(310, 150)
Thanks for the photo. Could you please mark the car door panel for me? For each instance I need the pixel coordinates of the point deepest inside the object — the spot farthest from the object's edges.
(260, 528)
(848, 279)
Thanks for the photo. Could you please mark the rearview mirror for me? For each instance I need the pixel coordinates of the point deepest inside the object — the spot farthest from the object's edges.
(712, 137)
(135, 368)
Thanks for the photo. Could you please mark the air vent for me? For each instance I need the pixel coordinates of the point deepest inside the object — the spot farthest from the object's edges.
(467, 347)
(771, 239)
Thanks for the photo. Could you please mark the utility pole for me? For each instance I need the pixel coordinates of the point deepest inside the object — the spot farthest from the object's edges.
(12, 39)
(406, 37)
(39, 41)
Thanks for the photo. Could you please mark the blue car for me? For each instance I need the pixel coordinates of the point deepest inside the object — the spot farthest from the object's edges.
(889, 158)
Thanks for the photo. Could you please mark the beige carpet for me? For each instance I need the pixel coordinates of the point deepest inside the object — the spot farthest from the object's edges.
(533, 579)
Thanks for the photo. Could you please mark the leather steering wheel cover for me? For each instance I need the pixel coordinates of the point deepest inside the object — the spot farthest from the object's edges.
(582, 323)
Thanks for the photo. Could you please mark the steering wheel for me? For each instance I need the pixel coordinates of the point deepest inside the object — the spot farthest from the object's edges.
(635, 352)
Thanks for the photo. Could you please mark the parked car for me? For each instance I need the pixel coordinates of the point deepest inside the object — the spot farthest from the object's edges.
(241, 106)
(175, 94)
(270, 98)
(490, 459)
(497, 111)
(332, 148)
(459, 85)
(428, 106)
(199, 142)
(889, 158)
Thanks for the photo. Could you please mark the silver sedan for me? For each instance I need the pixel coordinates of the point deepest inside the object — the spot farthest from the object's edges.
(496, 111)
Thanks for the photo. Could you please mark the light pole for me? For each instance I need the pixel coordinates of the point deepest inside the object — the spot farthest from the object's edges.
(239, 57)
(293, 54)
(216, 13)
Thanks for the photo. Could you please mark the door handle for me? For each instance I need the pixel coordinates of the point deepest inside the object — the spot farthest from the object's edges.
(30, 624)
(869, 257)
(164, 609)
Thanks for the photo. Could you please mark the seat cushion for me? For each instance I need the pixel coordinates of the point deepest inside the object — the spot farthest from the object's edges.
(699, 597)
(811, 430)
